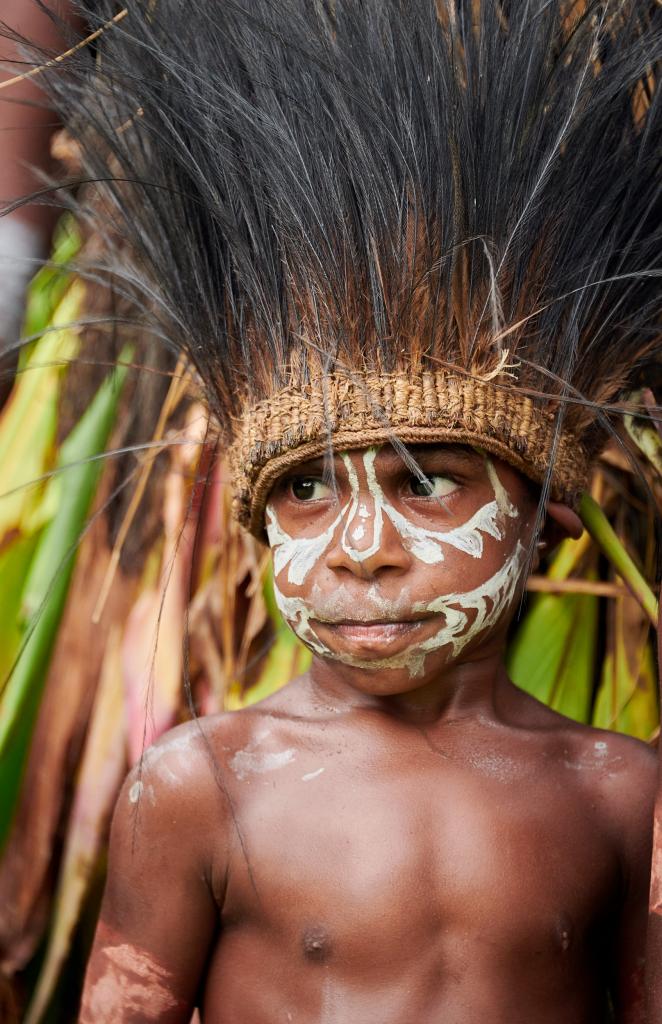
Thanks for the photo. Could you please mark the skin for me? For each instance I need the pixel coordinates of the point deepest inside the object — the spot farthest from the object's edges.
(26, 125)
(384, 844)
(26, 130)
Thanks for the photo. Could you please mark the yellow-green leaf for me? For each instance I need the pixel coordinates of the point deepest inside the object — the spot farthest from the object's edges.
(627, 697)
(28, 420)
(552, 655)
(47, 585)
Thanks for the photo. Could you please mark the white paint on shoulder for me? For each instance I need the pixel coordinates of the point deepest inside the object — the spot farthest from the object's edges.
(171, 759)
(595, 758)
(135, 792)
(312, 775)
(253, 761)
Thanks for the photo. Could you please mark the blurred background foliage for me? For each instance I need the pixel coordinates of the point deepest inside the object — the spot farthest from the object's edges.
(108, 564)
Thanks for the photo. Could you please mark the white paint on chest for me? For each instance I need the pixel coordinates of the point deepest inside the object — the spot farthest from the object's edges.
(312, 775)
(253, 761)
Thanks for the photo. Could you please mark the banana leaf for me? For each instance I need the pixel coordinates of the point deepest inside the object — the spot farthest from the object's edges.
(553, 654)
(29, 419)
(51, 282)
(627, 697)
(47, 585)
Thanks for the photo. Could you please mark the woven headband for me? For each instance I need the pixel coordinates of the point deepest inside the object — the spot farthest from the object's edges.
(365, 409)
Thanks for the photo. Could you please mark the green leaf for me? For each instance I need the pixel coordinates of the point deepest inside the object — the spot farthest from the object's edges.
(552, 656)
(605, 537)
(627, 696)
(50, 283)
(14, 565)
(47, 585)
(28, 420)
(287, 659)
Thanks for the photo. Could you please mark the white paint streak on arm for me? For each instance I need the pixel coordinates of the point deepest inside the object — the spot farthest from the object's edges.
(135, 792)
(129, 984)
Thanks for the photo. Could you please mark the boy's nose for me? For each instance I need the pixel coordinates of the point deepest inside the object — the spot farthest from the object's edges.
(368, 542)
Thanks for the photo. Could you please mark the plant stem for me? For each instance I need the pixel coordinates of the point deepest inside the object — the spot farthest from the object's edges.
(604, 536)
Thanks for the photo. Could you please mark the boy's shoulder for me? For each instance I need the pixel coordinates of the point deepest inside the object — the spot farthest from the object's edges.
(616, 771)
(191, 749)
(182, 784)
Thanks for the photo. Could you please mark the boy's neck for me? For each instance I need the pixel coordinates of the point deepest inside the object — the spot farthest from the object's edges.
(466, 689)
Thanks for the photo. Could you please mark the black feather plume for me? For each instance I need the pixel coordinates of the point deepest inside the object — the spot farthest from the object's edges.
(377, 184)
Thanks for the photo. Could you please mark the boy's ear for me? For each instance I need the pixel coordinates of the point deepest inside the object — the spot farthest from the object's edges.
(561, 522)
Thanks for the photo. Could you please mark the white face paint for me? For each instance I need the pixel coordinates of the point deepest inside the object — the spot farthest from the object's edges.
(488, 601)
(426, 545)
(301, 554)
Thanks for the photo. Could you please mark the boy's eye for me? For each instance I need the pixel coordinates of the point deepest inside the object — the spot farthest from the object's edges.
(309, 488)
(434, 486)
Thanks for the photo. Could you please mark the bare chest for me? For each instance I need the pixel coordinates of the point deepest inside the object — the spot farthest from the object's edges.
(367, 864)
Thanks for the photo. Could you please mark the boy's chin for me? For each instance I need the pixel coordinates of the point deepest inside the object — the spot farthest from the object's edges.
(377, 678)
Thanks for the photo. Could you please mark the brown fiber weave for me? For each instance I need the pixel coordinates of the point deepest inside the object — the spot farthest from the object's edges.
(367, 409)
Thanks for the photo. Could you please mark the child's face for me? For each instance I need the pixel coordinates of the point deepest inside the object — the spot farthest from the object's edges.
(395, 577)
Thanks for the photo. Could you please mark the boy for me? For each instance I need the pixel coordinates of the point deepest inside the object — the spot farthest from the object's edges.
(409, 250)
(402, 835)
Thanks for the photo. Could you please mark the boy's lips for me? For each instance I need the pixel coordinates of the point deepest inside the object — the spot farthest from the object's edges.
(376, 636)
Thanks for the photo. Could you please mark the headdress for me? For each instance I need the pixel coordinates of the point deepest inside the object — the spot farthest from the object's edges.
(369, 220)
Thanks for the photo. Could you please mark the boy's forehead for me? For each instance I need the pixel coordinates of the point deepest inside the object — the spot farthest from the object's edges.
(390, 457)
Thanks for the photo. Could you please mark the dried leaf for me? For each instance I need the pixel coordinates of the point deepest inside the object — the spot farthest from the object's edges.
(102, 769)
(55, 748)
(152, 644)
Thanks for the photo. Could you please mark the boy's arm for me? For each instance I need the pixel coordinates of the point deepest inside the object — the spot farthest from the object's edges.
(632, 804)
(159, 915)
